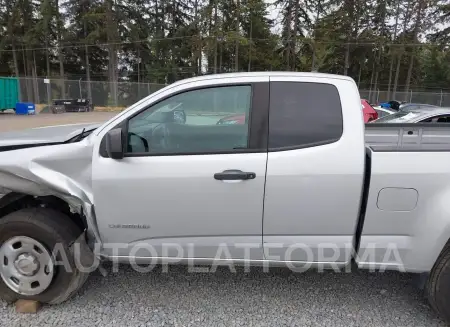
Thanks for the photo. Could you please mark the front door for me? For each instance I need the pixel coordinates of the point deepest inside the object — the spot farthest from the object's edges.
(188, 187)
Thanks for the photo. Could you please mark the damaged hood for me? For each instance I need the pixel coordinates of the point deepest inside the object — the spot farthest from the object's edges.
(45, 135)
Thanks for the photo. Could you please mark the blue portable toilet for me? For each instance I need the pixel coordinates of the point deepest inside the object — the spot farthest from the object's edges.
(25, 108)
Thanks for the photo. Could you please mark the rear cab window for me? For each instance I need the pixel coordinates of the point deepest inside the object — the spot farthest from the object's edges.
(303, 114)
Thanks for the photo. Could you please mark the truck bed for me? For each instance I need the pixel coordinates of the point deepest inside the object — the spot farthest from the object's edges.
(408, 137)
(407, 174)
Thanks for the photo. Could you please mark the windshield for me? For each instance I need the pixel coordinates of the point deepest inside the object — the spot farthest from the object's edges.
(398, 117)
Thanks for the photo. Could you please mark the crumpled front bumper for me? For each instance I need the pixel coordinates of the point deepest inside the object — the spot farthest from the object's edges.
(62, 170)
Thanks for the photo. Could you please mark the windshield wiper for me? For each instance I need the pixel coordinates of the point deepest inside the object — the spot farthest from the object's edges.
(78, 137)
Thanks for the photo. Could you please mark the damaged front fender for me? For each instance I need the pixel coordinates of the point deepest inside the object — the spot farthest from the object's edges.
(62, 170)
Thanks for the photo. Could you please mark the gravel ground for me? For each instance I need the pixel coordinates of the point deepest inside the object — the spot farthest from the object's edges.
(277, 298)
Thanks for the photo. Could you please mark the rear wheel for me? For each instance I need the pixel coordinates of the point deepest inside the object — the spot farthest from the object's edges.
(438, 285)
(28, 270)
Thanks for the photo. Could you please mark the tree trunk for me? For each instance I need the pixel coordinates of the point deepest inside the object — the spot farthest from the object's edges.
(16, 64)
(391, 68)
(199, 49)
(380, 50)
(408, 77)
(195, 45)
(397, 73)
(35, 81)
(250, 45)
(158, 34)
(210, 14)
(413, 51)
(371, 82)
(288, 24)
(13, 9)
(86, 59)
(215, 36)
(349, 5)
(359, 74)
(352, 29)
(111, 28)
(236, 54)
(376, 70)
(16, 69)
(400, 55)
(60, 51)
(296, 28)
(313, 63)
(172, 52)
(47, 59)
(28, 85)
(393, 56)
(221, 57)
(47, 86)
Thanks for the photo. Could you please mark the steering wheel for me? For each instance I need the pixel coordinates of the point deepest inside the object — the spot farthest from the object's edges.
(144, 141)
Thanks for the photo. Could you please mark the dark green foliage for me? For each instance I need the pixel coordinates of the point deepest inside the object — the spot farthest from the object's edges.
(161, 41)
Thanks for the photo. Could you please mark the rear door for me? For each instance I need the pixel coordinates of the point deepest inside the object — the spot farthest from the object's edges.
(179, 189)
(315, 169)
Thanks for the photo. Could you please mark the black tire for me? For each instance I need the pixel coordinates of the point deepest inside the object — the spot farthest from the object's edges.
(48, 227)
(437, 289)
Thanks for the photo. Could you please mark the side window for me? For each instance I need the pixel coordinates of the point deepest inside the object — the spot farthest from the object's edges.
(439, 119)
(443, 119)
(304, 114)
(210, 120)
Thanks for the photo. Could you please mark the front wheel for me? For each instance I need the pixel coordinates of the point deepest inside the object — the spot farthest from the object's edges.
(32, 243)
(437, 289)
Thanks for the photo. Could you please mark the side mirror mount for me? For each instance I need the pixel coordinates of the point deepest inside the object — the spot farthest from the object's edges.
(114, 143)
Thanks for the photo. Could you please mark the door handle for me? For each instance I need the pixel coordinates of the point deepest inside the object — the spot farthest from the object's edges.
(233, 175)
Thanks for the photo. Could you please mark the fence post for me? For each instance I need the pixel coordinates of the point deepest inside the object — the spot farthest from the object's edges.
(148, 87)
(410, 97)
(49, 98)
(440, 101)
(79, 87)
(116, 93)
(378, 96)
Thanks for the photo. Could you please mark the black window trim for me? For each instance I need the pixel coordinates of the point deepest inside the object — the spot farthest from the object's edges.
(258, 122)
(312, 144)
(434, 117)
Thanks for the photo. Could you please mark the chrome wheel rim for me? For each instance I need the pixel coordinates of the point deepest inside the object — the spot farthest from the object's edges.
(26, 266)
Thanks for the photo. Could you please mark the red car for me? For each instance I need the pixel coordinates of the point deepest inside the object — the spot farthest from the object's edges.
(369, 113)
(231, 120)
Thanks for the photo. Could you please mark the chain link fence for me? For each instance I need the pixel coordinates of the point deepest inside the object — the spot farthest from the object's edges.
(437, 98)
(101, 93)
(123, 94)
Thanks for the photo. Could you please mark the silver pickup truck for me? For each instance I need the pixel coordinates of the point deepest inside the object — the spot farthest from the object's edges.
(293, 179)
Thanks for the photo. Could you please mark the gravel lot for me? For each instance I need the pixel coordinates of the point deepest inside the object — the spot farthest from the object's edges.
(180, 298)
(277, 298)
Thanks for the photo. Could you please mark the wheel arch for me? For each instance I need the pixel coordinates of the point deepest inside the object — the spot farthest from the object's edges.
(15, 201)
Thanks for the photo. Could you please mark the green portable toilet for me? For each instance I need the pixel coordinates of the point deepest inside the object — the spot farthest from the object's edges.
(9, 93)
